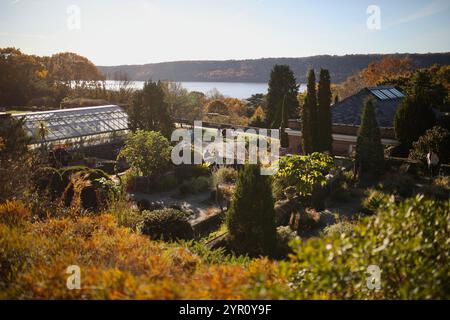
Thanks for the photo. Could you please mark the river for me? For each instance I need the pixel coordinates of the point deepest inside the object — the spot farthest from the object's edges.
(240, 90)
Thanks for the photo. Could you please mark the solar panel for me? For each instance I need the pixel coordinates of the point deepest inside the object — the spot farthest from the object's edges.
(397, 93)
(379, 95)
(389, 94)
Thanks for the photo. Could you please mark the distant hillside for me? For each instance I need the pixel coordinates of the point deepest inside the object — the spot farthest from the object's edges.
(259, 70)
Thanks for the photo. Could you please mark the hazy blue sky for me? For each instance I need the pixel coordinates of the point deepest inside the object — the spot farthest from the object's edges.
(141, 31)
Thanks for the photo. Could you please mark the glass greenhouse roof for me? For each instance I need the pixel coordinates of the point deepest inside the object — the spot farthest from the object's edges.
(75, 123)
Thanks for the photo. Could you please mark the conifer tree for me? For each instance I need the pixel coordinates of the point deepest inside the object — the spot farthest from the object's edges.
(282, 85)
(148, 111)
(310, 116)
(284, 139)
(415, 116)
(250, 221)
(306, 130)
(369, 149)
(324, 135)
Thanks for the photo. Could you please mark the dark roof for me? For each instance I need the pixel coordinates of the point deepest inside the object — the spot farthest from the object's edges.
(349, 110)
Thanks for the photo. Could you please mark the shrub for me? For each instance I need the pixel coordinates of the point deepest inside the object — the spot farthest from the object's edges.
(415, 114)
(120, 264)
(374, 199)
(195, 185)
(409, 241)
(398, 184)
(167, 182)
(166, 224)
(251, 223)
(49, 179)
(284, 236)
(436, 139)
(304, 172)
(224, 175)
(439, 189)
(309, 219)
(341, 228)
(148, 152)
(188, 171)
(15, 159)
(14, 255)
(89, 188)
(125, 214)
(14, 213)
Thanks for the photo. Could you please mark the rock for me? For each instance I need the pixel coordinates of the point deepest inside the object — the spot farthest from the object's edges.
(283, 210)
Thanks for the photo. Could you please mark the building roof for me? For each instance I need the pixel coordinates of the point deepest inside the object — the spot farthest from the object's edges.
(386, 100)
(72, 123)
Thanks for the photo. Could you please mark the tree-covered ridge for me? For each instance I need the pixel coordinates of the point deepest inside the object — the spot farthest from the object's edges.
(258, 70)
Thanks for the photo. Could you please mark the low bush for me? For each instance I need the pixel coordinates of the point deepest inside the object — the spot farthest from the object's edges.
(309, 219)
(408, 241)
(125, 214)
(340, 228)
(167, 182)
(306, 173)
(436, 139)
(439, 189)
(224, 175)
(373, 200)
(195, 185)
(167, 225)
(119, 264)
(284, 236)
(188, 171)
(398, 184)
(14, 213)
(90, 188)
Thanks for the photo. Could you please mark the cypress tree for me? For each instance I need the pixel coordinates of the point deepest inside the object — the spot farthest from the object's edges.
(306, 130)
(282, 85)
(284, 139)
(369, 150)
(325, 138)
(250, 221)
(310, 116)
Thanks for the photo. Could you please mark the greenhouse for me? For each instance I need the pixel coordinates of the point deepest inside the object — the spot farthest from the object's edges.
(69, 125)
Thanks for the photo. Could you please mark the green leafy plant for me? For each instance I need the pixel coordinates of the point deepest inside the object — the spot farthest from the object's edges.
(408, 241)
(304, 172)
(147, 152)
(166, 224)
(373, 200)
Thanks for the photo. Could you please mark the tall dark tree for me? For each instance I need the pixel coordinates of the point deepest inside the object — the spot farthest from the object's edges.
(251, 224)
(415, 114)
(282, 85)
(307, 146)
(369, 150)
(284, 139)
(310, 117)
(324, 135)
(148, 110)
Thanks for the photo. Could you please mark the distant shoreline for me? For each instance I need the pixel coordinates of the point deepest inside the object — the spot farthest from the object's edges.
(258, 70)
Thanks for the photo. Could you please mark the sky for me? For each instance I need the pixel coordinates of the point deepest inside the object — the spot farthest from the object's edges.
(116, 32)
